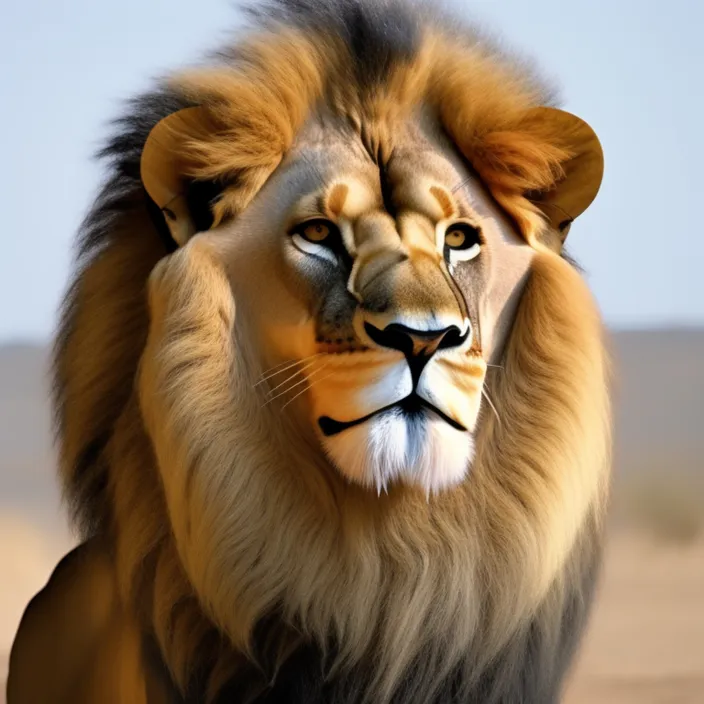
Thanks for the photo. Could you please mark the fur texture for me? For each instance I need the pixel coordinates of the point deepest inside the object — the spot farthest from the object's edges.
(310, 591)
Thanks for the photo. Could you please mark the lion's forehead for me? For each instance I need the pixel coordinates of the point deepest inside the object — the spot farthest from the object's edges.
(407, 156)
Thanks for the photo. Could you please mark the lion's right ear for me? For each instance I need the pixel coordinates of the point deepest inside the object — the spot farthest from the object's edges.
(583, 171)
(165, 167)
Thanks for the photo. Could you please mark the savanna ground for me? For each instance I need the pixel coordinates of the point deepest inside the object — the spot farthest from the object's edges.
(645, 644)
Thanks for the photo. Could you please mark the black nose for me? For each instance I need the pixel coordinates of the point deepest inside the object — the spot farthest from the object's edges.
(417, 345)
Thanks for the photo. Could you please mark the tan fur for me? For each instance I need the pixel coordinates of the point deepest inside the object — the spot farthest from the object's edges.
(400, 570)
(500, 540)
(486, 106)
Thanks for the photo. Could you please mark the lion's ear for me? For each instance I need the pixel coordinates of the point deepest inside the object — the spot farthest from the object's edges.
(583, 171)
(164, 167)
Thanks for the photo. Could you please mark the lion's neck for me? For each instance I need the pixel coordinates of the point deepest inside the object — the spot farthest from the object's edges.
(262, 531)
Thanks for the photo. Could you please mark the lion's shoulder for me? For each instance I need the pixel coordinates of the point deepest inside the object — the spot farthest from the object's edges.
(74, 643)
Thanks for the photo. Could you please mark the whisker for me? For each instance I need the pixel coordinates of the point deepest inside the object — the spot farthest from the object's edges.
(306, 389)
(293, 376)
(279, 369)
(461, 184)
(284, 391)
(485, 393)
(284, 366)
(293, 386)
(495, 366)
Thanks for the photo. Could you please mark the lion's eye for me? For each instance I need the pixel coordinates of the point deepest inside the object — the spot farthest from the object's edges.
(317, 230)
(455, 239)
(463, 241)
(461, 235)
(318, 237)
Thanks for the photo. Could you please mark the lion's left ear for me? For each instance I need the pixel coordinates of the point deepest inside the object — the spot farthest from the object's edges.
(165, 166)
(583, 171)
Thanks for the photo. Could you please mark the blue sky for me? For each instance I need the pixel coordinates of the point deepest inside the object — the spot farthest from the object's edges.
(633, 69)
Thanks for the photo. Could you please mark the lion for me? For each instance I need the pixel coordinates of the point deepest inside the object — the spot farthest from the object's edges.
(332, 401)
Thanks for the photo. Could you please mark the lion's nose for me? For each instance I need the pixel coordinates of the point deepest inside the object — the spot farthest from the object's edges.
(416, 343)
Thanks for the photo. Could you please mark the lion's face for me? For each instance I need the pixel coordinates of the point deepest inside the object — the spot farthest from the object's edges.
(381, 287)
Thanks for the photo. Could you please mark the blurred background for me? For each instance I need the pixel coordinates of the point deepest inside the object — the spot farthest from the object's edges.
(632, 69)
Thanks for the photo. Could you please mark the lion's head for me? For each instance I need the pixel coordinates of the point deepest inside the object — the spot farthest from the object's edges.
(365, 399)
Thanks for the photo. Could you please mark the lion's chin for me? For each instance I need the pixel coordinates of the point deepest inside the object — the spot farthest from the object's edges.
(421, 450)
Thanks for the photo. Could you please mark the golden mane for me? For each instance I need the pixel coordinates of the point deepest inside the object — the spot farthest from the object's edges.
(476, 571)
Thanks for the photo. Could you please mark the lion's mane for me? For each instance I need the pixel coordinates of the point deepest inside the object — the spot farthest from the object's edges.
(478, 594)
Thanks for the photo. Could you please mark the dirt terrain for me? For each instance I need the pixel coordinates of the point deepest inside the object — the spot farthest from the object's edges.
(646, 640)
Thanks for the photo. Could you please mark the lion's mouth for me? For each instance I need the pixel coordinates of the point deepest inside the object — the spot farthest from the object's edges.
(412, 406)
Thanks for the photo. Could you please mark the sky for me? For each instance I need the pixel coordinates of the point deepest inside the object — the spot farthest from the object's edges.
(632, 68)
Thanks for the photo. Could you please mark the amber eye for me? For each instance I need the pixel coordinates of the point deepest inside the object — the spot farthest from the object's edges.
(455, 239)
(462, 236)
(317, 230)
(320, 238)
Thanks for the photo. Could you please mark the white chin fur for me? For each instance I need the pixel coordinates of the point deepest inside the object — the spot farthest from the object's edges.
(426, 452)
